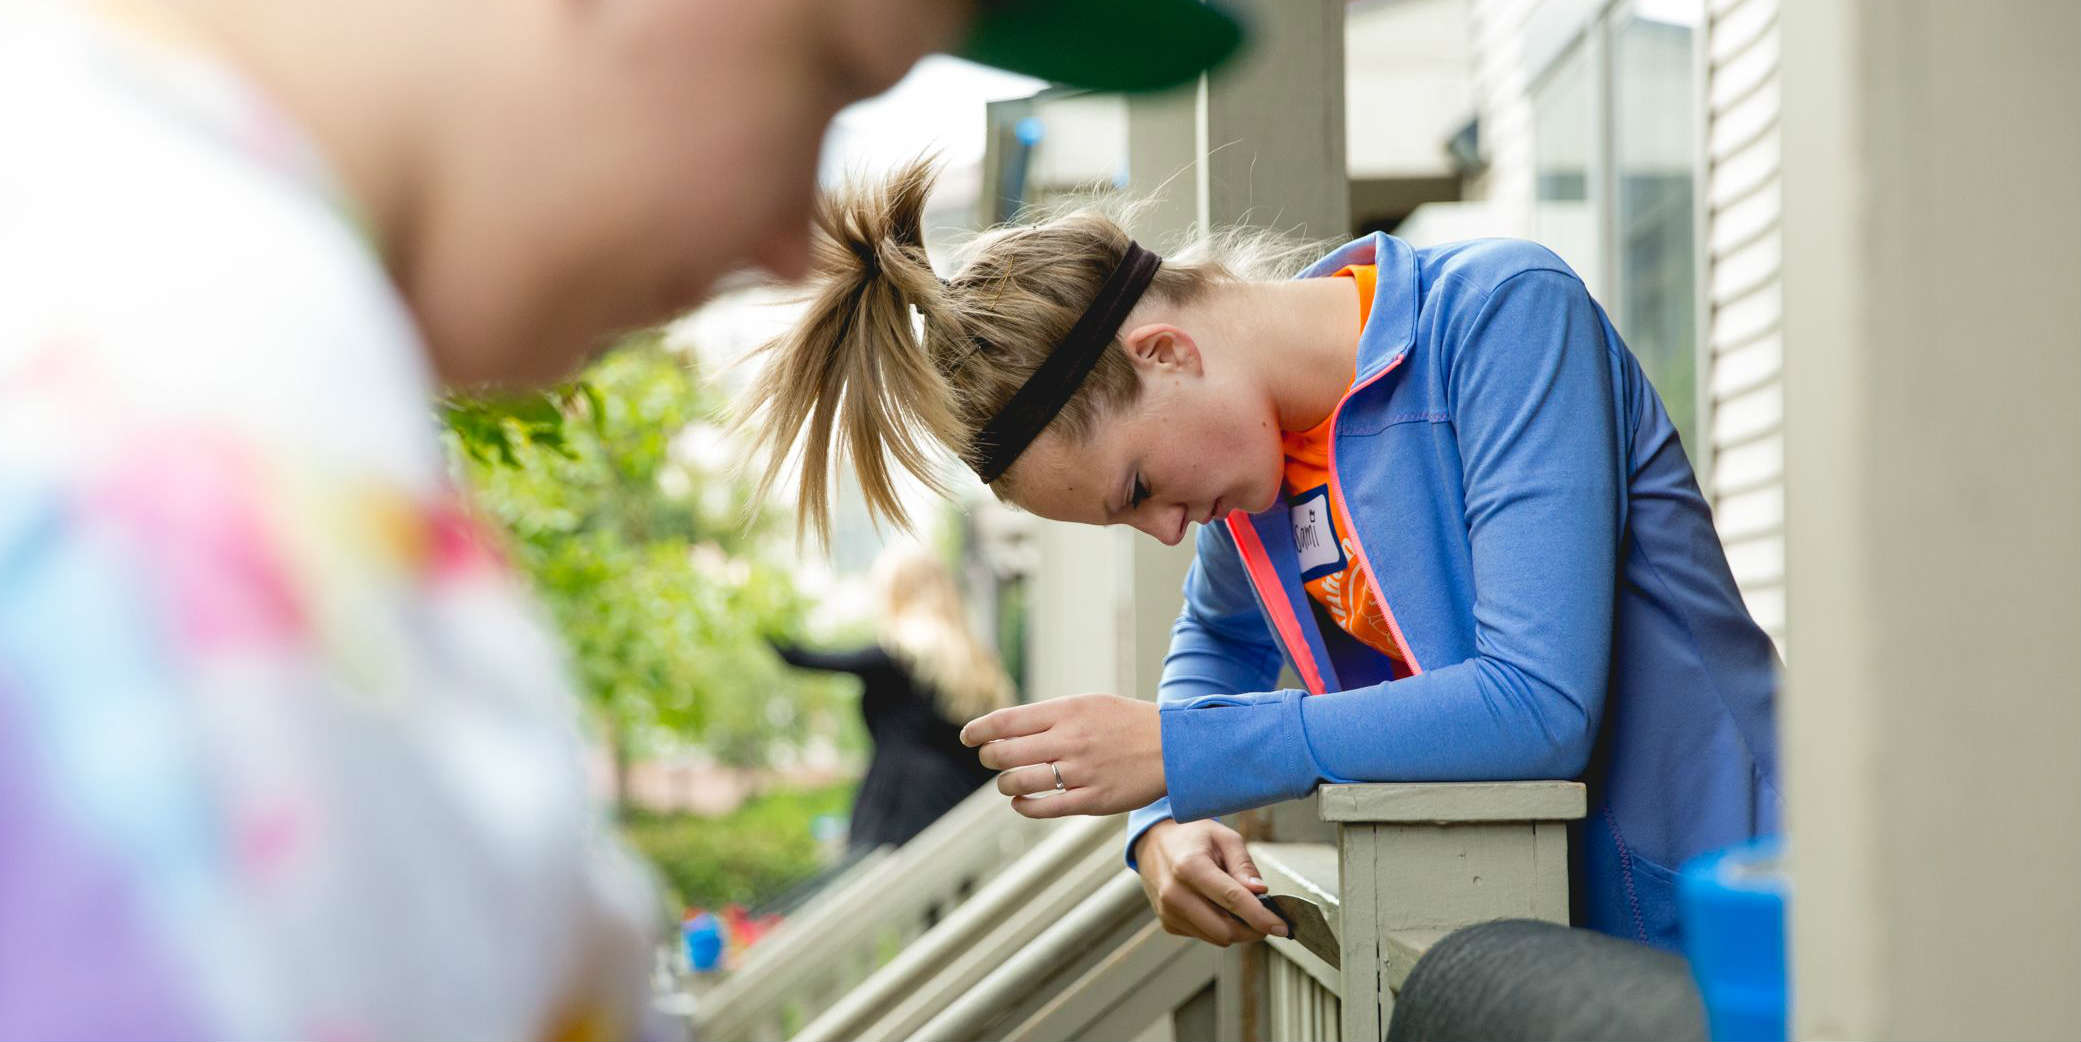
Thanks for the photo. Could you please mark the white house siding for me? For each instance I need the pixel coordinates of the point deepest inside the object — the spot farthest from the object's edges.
(1742, 394)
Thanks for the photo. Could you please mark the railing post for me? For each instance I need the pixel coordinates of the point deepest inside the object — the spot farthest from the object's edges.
(1415, 861)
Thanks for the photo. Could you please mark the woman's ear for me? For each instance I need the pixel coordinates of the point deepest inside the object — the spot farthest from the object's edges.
(1161, 347)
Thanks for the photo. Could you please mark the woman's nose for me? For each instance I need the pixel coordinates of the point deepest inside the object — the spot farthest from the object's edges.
(1167, 527)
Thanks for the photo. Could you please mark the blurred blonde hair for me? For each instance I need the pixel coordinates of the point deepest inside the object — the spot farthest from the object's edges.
(859, 381)
(923, 627)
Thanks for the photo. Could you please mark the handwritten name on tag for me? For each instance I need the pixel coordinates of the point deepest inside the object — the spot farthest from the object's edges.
(1314, 534)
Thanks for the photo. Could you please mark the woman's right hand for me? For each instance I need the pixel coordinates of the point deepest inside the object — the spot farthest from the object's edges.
(1201, 883)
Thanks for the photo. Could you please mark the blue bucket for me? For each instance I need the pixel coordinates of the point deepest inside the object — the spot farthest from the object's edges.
(704, 942)
(1733, 908)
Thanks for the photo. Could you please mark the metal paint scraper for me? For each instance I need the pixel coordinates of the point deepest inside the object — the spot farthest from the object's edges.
(1308, 925)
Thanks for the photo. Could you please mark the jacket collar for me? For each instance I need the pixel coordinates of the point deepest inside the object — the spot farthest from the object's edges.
(1391, 329)
(1262, 539)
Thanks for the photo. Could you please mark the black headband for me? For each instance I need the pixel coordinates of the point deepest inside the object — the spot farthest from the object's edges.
(1052, 385)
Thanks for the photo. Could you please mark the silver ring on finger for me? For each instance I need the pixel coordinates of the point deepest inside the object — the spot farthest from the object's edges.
(1059, 787)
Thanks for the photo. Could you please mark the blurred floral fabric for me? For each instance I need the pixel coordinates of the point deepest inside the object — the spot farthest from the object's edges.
(284, 750)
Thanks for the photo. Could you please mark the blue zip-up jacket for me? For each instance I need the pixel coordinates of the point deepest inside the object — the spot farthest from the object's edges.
(1548, 565)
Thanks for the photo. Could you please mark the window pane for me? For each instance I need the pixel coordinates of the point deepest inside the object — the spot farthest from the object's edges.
(1653, 135)
(1564, 152)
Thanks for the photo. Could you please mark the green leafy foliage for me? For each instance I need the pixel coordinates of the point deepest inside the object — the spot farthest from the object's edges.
(663, 589)
(490, 429)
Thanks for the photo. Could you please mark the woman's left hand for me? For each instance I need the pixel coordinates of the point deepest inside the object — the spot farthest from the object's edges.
(1108, 749)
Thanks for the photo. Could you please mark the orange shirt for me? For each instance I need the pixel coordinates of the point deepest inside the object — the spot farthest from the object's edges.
(1330, 567)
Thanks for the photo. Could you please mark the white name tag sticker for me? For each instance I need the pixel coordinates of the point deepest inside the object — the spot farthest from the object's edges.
(1315, 534)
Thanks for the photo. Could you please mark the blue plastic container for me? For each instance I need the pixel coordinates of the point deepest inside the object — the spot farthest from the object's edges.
(1733, 909)
(704, 942)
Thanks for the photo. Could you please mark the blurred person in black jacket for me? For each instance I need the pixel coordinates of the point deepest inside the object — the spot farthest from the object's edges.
(924, 676)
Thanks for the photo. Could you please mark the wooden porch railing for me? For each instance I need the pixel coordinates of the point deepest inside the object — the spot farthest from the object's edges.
(863, 919)
(986, 932)
(1061, 945)
(1412, 862)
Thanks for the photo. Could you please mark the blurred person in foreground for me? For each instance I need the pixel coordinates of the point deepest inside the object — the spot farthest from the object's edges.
(924, 676)
(284, 752)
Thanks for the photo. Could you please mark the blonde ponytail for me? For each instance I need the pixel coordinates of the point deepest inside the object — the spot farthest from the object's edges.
(854, 379)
